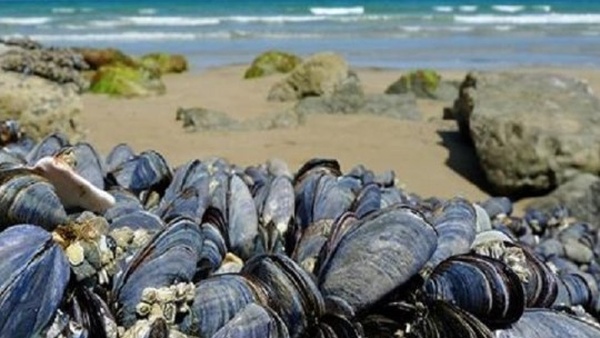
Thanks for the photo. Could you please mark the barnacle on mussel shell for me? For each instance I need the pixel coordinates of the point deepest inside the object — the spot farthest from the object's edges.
(170, 257)
(87, 247)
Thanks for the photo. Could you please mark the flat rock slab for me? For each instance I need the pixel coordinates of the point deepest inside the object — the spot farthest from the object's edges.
(201, 119)
(399, 106)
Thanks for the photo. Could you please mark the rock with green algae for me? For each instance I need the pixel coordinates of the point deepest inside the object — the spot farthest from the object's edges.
(321, 74)
(272, 62)
(119, 80)
(165, 63)
(424, 83)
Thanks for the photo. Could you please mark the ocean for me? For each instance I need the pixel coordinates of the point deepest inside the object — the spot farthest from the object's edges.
(450, 34)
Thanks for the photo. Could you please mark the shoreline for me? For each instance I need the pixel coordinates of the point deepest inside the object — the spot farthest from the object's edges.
(444, 71)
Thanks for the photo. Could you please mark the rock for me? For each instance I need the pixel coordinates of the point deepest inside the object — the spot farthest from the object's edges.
(463, 106)
(577, 252)
(394, 106)
(21, 43)
(282, 120)
(424, 83)
(319, 75)
(201, 119)
(97, 58)
(272, 62)
(60, 65)
(41, 106)
(165, 63)
(551, 247)
(531, 132)
(121, 80)
(581, 197)
(350, 99)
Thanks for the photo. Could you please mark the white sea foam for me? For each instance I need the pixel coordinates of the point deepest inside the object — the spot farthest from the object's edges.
(177, 21)
(136, 36)
(26, 21)
(74, 27)
(508, 8)
(169, 21)
(364, 18)
(241, 34)
(123, 37)
(532, 19)
(356, 10)
(147, 11)
(443, 9)
(467, 8)
(63, 10)
(543, 8)
(590, 33)
(459, 28)
(282, 36)
(412, 29)
(106, 23)
(273, 19)
(504, 28)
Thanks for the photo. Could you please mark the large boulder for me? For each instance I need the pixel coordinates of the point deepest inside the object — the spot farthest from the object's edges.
(40, 105)
(581, 196)
(125, 81)
(272, 62)
(319, 75)
(426, 84)
(165, 63)
(531, 132)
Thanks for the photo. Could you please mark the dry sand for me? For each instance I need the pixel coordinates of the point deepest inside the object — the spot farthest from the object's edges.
(428, 156)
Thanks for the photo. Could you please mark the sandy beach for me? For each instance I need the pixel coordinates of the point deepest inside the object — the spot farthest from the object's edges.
(428, 156)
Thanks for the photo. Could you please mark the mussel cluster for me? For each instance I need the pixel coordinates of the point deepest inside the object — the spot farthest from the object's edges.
(127, 246)
(60, 65)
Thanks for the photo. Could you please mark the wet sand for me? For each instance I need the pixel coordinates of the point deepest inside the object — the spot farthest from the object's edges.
(428, 156)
